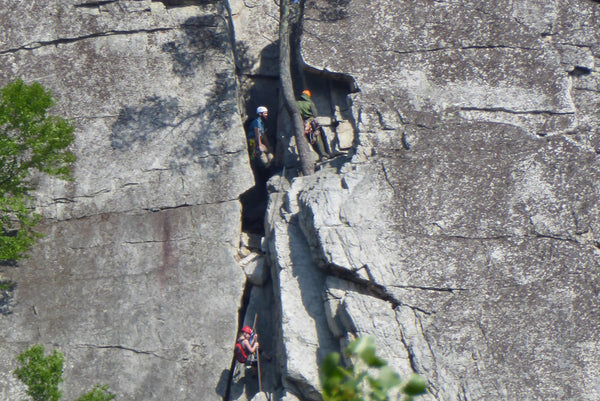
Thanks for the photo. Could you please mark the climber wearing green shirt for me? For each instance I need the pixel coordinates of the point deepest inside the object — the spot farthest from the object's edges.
(312, 129)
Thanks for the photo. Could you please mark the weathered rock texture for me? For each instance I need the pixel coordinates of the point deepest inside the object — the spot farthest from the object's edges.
(464, 233)
(136, 279)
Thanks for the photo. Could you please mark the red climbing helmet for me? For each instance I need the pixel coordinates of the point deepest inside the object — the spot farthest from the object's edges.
(247, 330)
(307, 92)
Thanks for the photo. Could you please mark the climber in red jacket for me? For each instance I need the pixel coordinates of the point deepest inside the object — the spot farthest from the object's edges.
(246, 345)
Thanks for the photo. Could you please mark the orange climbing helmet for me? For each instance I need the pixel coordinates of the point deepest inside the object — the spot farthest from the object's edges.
(247, 330)
(307, 92)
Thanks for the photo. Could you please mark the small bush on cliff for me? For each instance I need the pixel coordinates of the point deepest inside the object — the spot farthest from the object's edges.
(42, 375)
(30, 140)
(359, 382)
(99, 393)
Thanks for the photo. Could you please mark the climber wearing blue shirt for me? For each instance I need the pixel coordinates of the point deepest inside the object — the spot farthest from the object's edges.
(258, 143)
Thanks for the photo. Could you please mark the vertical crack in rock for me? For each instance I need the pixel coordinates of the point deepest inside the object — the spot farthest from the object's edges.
(409, 350)
(416, 365)
(462, 395)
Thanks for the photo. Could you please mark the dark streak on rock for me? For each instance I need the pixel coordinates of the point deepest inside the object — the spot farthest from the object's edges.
(59, 41)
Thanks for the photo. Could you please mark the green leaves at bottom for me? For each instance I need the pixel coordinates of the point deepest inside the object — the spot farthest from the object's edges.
(416, 385)
(369, 379)
(41, 374)
(98, 393)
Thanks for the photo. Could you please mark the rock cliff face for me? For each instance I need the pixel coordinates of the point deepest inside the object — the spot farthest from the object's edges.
(464, 233)
(136, 279)
(462, 229)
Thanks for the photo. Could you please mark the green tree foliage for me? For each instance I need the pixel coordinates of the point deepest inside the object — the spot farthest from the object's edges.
(368, 379)
(30, 140)
(99, 393)
(42, 375)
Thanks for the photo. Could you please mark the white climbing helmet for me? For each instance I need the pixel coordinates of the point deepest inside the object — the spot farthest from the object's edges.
(261, 109)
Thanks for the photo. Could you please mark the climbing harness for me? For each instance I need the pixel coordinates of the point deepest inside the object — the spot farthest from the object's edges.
(243, 359)
(240, 353)
(313, 130)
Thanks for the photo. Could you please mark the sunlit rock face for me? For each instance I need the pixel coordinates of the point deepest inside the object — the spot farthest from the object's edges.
(461, 230)
(464, 232)
(135, 279)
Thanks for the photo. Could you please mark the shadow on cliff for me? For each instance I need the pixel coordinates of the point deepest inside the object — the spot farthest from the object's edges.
(259, 90)
(142, 123)
(156, 118)
(204, 37)
(311, 283)
(332, 10)
(224, 388)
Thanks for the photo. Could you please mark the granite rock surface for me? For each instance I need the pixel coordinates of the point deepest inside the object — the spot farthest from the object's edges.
(136, 279)
(461, 229)
(463, 233)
